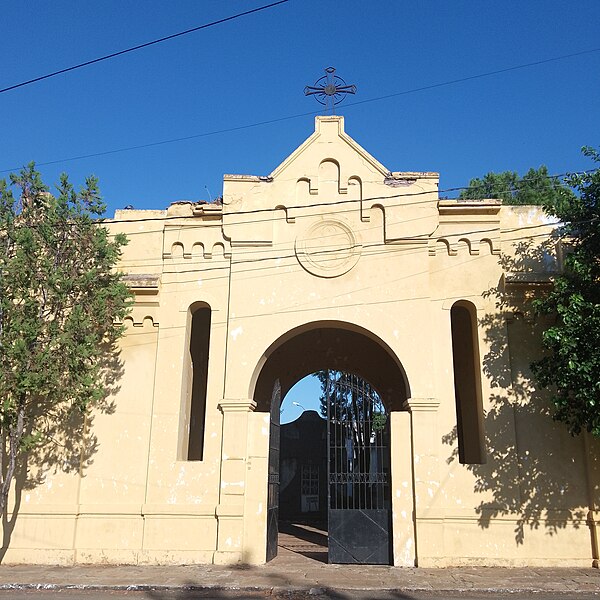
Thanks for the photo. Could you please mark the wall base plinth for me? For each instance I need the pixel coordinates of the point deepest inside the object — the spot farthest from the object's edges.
(227, 558)
(176, 557)
(485, 561)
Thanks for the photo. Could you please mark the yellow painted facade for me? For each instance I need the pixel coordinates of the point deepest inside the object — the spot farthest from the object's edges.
(332, 261)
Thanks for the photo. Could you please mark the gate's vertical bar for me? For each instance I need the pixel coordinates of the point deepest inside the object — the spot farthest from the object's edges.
(344, 496)
(350, 446)
(363, 458)
(273, 473)
(366, 400)
(328, 402)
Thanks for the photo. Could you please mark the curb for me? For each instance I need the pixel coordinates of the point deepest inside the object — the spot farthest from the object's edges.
(311, 590)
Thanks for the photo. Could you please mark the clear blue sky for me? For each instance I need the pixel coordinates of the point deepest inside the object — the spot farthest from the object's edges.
(255, 68)
(303, 396)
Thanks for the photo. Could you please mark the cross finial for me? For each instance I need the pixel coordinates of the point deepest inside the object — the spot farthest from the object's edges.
(330, 89)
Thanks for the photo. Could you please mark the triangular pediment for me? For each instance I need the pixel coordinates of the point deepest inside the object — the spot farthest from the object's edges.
(329, 132)
(329, 176)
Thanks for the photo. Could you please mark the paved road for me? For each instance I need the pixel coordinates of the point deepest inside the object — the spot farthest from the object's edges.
(239, 595)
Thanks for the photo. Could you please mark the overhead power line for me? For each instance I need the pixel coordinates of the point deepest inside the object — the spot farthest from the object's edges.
(349, 202)
(140, 46)
(478, 76)
(269, 254)
(221, 271)
(170, 141)
(304, 114)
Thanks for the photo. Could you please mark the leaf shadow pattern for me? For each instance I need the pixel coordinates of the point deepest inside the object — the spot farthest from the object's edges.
(534, 471)
(67, 442)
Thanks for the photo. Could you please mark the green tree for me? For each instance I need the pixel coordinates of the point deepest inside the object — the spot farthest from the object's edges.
(571, 366)
(350, 398)
(536, 187)
(59, 298)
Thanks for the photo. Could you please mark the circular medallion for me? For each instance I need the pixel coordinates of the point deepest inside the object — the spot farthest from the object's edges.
(328, 248)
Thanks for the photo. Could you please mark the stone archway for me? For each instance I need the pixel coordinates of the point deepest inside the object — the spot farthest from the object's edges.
(349, 348)
(335, 345)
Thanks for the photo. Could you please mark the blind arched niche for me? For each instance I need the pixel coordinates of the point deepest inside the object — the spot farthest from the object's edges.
(195, 382)
(467, 383)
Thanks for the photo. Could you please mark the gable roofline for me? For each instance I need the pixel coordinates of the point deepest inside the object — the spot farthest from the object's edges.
(319, 121)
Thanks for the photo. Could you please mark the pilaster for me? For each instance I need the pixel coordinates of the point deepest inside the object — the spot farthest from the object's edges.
(426, 477)
(232, 488)
(403, 508)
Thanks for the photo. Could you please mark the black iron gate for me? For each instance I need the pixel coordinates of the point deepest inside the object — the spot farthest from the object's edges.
(273, 486)
(359, 515)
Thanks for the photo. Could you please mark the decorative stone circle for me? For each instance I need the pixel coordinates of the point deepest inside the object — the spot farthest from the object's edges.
(328, 248)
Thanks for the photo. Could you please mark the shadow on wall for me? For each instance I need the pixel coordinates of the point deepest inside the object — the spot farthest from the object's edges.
(69, 443)
(534, 470)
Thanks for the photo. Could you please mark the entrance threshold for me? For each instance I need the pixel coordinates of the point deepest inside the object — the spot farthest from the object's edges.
(300, 542)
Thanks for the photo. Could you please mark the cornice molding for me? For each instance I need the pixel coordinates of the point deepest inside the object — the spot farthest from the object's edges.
(236, 405)
(421, 405)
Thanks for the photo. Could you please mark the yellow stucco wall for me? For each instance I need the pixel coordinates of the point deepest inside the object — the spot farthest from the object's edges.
(330, 242)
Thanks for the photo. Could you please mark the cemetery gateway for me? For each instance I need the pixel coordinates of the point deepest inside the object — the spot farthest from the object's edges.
(444, 453)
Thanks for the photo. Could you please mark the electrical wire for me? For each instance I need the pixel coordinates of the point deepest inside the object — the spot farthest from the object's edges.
(273, 247)
(275, 270)
(368, 250)
(346, 201)
(351, 202)
(275, 252)
(140, 46)
(304, 114)
(477, 76)
(372, 249)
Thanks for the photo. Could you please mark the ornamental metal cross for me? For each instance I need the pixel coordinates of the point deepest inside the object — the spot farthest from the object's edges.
(330, 89)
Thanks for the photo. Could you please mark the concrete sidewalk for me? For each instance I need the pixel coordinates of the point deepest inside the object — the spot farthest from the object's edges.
(291, 572)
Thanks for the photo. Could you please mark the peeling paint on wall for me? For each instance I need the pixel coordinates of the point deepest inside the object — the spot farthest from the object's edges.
(225, 484)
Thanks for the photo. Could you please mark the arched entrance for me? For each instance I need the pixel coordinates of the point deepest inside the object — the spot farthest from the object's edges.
(372, 386)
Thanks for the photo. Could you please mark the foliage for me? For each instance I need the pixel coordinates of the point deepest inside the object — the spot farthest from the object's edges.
(59, 299)
(350, 398)
(536, 187)
(572, 363)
